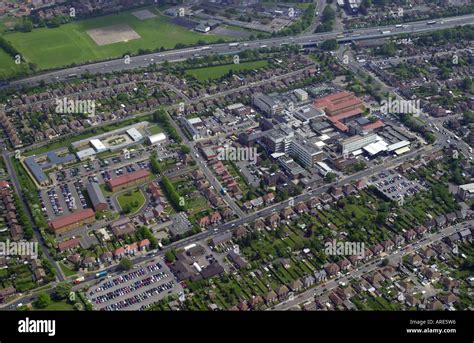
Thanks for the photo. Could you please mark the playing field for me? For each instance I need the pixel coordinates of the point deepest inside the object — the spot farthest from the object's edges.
(211, 73)
(70, 43)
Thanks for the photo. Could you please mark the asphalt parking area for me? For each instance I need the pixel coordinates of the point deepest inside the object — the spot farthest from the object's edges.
(135, 289)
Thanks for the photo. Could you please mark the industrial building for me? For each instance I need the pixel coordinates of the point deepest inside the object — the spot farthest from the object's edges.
(38, 164)
(97, 198)
(72, 221)
(354, 143)
(127, 180)
(134, 134)
(97, 145)
(300, 94)
(158, 138)
(266, 104)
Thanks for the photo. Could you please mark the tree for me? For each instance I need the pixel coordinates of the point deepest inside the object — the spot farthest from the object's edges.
(62, 290)
(170, 256)
(328, 14)
(125, 264)
(330, 177)
(27, 26)
(329, 45)
(43, 301)
(156, 166)
(185, 149)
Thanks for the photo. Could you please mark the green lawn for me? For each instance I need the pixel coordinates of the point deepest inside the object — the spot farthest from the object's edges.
(8, 68)
(59, 306)
(66, 270)
(134, 198)
(155, 129)
(204, 74)
(56, 47)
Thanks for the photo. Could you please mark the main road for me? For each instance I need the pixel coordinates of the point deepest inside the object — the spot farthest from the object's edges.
(134, 62)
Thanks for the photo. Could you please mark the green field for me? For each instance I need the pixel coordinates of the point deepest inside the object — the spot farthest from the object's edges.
(56, 47)
(58, 306)
(8, 68)
(134, 199)
(212, 73)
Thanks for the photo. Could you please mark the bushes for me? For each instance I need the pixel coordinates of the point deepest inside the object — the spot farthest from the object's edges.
(172, 194)
(161, 117)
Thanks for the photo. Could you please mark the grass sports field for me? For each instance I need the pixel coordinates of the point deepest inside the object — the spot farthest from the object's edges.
(204, 74)
(70, 43)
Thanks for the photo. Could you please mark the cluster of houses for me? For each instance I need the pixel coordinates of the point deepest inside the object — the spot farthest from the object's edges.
(373, 282)
(5, 122)
(71, 247)
(257, 203)
(149, 216)
(204, 187)
(83, 8)
(341, 296)
(97, 89)
(16, 8)
(8, 207)
(22, 106)
(38, 272)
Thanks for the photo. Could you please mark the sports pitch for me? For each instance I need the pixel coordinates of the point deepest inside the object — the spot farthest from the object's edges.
(70, 43)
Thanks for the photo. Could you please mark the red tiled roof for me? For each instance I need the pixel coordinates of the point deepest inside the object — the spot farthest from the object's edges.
(374, 125)
(345, 115)
(68, 244)
(341, 126)
(124, 179)
(71, 219)
(334, 97)
(144, 243)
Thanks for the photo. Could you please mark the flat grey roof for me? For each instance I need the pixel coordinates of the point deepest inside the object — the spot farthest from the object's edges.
(95, 194)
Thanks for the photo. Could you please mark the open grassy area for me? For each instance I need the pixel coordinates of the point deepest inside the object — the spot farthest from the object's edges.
(8, 68)
(155, 129)
(56, 47)
(68, 272)
(212, 73)
(133, 199)
(58, 306)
